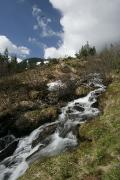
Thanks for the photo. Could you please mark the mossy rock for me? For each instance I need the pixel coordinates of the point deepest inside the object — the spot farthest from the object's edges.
(53, 97)
(82, 90)
(25, 105)
(65, 68)
(41, 114)
(37, 94)
(33, 119)
(34, 94)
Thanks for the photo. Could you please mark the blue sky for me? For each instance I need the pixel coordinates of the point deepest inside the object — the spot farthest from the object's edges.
(56, 28)
(19, 24)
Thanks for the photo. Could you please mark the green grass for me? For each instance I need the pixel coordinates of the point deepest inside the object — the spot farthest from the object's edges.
(92, 160)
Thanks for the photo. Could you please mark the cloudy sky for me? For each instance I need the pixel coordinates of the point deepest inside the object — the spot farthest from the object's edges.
(54, 28)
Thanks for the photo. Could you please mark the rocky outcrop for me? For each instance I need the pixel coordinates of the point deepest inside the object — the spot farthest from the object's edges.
(9, 150)
(26, 101)
(30, 120)
(25, 116)
(82, 90)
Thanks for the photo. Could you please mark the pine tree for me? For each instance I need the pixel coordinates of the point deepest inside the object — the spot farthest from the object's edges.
(4, 63)
(92, 51)
(13, 64)
(6, 54)
(85, 51)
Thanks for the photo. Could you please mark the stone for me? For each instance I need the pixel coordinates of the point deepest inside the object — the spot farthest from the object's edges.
(79, 108)
(82, 90)
(26, 104)
(33, 119)
(9, 150)
(53, 98)
(34, 94)
(49, 130)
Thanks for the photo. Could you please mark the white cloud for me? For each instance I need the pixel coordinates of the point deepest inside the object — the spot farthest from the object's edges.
(88, 20)
(36, 11)
(43, 23)
(20, 51)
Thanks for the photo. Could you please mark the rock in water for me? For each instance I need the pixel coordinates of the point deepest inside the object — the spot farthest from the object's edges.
(9, 150)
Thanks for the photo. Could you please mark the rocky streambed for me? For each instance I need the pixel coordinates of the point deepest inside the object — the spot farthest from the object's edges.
(51, 138)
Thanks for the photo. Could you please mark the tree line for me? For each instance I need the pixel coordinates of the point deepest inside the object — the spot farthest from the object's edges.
(86, 51)
(9, 64)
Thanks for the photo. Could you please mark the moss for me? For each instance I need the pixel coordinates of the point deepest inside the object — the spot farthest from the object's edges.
(95, 159)
(82, 90)
(49, 112)
(38, 116)
(34, 94)
(112, 174)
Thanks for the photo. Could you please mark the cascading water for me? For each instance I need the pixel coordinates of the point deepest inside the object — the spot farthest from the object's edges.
(62, 134)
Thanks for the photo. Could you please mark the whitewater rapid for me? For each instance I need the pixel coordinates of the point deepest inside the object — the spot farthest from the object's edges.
(63, 134)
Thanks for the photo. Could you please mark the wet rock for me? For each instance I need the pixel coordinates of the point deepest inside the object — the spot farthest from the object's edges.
(46, 132)
(95, 105)
(7, 119)
(92, 85)
(79, 108)
(65, 130)
(69, 110)
(9, 150)
(5, 141)
(77, 104)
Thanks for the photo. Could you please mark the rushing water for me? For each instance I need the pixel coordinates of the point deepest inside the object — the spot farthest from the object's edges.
(56, 137)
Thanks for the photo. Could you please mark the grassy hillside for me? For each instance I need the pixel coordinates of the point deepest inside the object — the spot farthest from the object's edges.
(96, 158)
(26, 103)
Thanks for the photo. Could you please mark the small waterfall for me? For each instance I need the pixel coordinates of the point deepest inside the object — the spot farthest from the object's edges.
(52, 138)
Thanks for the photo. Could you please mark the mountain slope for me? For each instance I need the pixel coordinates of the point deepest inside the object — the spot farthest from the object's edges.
(98, 156)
